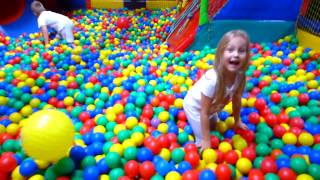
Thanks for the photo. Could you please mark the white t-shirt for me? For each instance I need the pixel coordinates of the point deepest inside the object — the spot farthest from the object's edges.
(53, 20)
(206, 85)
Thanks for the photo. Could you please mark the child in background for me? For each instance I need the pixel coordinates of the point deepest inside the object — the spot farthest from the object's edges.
(60, 23)
(223, 83)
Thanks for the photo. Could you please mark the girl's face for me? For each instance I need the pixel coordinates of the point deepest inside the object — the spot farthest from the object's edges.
(235, 54)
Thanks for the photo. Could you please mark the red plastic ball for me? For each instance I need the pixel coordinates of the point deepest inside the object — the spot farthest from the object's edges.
(164, 141)
(256, 174)
(297, 122)
(303, 99)
(190, 175)
(249, 153)
(123, 23)
(190, 147)
(193, 158)
(254, 118)
(260, 104)
(214, 141)
(286, 173)
(271, 120)
(231, 157)
(7, 162)
(131, 168)
(182, 116)
(275, 97)
(223, 172)
(154, 146)
(283, 118)
(278, 131)
(268, 165)
(147, 169)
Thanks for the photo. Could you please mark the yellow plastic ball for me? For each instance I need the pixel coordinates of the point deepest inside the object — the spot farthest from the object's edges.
(47, 135)
(68, 101)
(26, 110)
(118, 108)
(137, 138)
(131, 122)
(304, 177)
(15, 117)
(312, 84)
(222, 126)
(163, 128)
(3, 100)
(178, 103)
(117, 148)
(244, 165)
(209, 156)
(306, 139)
(164, 116)
(165, 154)
(225, 147)
(2, 129)
(12, 129)
(104, 177)
(240, 144)
(173, 175)
(35, 102)
(289, 138)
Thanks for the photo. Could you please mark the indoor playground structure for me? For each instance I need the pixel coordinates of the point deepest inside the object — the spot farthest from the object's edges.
(111, 107)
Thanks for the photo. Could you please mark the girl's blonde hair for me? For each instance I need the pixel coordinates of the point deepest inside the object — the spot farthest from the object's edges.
(220, 88)
(37, 7)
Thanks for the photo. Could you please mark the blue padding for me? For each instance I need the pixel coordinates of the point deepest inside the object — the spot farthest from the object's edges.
(259, 31)
(26, 23)
(260, 10)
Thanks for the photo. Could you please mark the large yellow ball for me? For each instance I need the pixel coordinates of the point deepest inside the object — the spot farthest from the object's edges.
(47, 135)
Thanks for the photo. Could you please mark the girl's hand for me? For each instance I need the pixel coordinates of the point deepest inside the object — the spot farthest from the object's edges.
(241, 125)
(205, 144)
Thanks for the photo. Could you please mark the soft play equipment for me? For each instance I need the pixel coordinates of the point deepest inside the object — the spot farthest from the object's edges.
(274, 19)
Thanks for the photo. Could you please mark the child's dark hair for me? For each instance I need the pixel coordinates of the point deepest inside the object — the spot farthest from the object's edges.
(37, 7)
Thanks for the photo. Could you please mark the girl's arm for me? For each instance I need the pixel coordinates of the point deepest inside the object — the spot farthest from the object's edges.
(204, 120)
(45, 34)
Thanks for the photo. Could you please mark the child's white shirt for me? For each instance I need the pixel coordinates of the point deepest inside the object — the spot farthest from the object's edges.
(206, 86)
(53, 20)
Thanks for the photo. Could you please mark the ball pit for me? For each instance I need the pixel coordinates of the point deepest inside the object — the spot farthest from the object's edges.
(123, 92)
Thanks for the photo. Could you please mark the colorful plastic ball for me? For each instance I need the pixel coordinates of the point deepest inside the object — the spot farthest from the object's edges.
(207, 174)
(123, 23)
(224, 147)
(193, 158)
(286, 173)
(231, 157)
(304, 177)
(115, 173)
(177, 155)
(314, 170)
(255, 174)
(144, 154)
(113, 160)
(244, 165)
(223, 171)
(173, 175)
(299, 165)
(7, 162)
(306, 139)
(183, 167)
(209, 156)
(47, 135)
(147, 169)
(289, 138)
(131, 168)
(268, 165)
(28, 168)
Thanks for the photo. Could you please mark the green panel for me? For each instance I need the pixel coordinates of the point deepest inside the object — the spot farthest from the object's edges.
(259, 31)
(203, 12)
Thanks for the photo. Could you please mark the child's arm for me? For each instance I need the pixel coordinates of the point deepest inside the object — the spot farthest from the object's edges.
(45, 34)
(204, 120)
